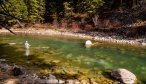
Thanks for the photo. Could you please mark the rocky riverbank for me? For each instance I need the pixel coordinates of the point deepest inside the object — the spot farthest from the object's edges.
(96, 36)
(14, 74)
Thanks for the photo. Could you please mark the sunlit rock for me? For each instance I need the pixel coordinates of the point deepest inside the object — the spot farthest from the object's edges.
(84, 82)
(11, 44)
(61, 82)
(88, 43)
(51, 76)
(70, 81)
(76, 82)
(11, 81)
(143, 44)
(55, 61)
(124, 75)
(52, 81)
(2, 60)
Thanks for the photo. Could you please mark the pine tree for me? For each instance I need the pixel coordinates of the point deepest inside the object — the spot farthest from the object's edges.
(36, 10)
(13, 10)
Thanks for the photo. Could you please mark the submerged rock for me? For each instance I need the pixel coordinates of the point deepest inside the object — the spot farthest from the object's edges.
(88, 43)
(124, 75)
(55, 61)
(11, 44)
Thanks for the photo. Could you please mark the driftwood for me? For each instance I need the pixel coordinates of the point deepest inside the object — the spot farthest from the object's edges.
(20, 24)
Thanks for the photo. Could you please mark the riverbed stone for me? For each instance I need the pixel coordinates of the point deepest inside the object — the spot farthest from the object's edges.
(61, 81)
(51, 76)
(124, 75)
(70, 81)
(2, 60)
(84, 82)
(76, 82)
(11, 81)
(52, 81)
(143, 44)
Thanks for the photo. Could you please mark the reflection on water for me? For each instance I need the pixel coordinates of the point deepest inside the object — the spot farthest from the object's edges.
(73, 52)
(27, 52)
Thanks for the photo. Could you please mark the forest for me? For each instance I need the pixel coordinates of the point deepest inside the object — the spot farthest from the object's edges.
(99, 15)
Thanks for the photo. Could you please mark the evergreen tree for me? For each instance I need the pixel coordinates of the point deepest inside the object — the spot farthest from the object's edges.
(36, 10)
(12, 10)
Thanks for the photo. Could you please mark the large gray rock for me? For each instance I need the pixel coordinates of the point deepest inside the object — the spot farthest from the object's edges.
(124, 75)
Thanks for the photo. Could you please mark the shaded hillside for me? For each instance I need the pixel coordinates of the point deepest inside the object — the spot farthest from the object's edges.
(131, 22)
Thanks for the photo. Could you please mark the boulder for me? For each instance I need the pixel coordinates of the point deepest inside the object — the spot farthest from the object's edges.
(51, 76)
(17, 71)
(124, 75)
(52, 81)
(69, 81)
(61, 82)
(11, 81)
(143, 44)
(88, 43)
(11, 44)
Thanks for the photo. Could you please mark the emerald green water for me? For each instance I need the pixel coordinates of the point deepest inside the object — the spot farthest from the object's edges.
(72, 52)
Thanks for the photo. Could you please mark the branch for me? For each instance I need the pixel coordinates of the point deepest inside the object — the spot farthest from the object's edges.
(1, 25)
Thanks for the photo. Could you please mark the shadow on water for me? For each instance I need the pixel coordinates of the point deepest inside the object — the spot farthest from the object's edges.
(14, 55)
(32, 62)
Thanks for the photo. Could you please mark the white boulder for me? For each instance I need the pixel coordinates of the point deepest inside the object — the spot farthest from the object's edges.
(124, 75)
(143, 44)
(88, 43)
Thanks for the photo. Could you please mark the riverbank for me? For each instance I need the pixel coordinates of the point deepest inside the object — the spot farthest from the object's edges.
(16, 74)
(96, 36)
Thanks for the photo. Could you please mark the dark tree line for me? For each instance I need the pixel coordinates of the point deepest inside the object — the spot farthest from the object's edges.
(32, 11)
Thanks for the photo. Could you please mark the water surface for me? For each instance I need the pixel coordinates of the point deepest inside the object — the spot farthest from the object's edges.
(72, 52)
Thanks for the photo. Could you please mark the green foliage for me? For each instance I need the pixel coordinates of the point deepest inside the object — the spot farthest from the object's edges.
(40, 10)
(15, 8)
(30, 10)
(89, 6)
(36, 10)
(68, 8)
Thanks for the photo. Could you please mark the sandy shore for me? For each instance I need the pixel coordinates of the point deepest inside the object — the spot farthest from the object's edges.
(51, 32)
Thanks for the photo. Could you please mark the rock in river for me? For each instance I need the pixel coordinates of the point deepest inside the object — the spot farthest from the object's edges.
(124, 75)
(88, 43)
